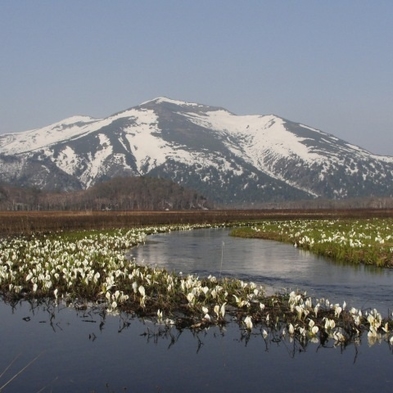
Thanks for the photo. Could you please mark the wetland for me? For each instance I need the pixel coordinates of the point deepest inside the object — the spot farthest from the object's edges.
(126, 338)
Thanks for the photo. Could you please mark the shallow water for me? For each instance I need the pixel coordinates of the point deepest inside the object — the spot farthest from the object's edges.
(273, 264)
(86, 351)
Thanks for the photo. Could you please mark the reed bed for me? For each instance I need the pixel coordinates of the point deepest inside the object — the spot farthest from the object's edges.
(89, 269)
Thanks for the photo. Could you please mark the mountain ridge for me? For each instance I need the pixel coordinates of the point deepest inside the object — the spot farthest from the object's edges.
(229, 158)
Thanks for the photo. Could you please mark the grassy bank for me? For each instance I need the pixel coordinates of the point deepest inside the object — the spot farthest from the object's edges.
(368, 241)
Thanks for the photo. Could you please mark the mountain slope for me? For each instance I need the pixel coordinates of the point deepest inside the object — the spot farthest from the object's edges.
(228, 158)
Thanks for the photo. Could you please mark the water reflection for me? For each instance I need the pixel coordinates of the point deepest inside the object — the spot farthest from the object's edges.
(89, 351)
(272, 264)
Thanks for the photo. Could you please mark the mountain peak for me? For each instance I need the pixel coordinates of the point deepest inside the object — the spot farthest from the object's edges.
(228, 158)
(163, 99)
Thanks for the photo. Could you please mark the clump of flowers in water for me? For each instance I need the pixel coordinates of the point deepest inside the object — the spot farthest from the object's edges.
(92, 267)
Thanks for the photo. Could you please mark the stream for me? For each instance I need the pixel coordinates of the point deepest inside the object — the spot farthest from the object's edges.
(277, 266)
(67, 350)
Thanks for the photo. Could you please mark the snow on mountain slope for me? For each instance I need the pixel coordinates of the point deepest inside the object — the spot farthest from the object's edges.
(256, 135)
(160, 100)
(277, 147)
(229, 157)
(143, 136)
(38, 138)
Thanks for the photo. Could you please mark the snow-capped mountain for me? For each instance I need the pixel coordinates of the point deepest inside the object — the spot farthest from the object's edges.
(228, 158)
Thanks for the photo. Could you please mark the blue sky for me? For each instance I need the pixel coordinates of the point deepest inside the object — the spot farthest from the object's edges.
(327, 64)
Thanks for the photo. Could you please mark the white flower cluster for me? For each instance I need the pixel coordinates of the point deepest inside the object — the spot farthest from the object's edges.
(93, 267)
(359, 241)
(354, 234)
(332, 324)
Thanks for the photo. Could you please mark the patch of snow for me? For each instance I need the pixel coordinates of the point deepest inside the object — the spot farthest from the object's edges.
(143, 135)
(312, 129)
(160, 100)
(96, 161)
(36, 139)
(45, 168)
(120, 159)
(68, 160)
(255, 134)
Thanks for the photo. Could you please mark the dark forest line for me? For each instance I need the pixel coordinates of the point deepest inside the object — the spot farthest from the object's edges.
(148, 193)
(122, 193)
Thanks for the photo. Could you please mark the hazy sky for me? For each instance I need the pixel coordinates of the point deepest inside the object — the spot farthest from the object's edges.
(327, 64)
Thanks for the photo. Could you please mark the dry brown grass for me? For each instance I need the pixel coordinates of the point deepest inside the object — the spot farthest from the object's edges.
(25, 222)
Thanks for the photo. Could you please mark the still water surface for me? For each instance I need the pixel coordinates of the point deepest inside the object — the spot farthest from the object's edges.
(272, 264)
(87, 352)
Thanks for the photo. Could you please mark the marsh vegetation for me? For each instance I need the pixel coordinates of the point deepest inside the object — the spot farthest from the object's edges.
(367, 240)
(89, 268)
